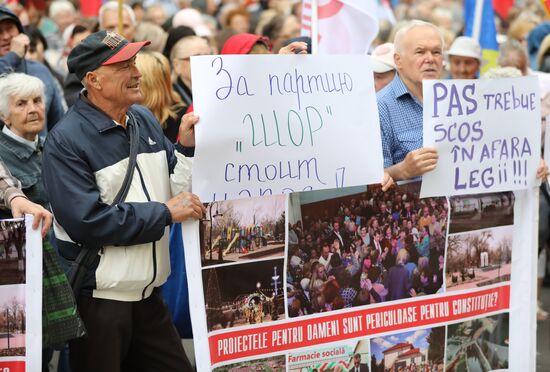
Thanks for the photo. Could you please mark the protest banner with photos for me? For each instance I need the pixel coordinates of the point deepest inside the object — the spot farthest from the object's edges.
(353, 278)
(439, 295)
(487, 133)
(272, 124)
(20, 296)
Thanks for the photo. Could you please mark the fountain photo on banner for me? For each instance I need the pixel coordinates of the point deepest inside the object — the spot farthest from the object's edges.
(243, 294)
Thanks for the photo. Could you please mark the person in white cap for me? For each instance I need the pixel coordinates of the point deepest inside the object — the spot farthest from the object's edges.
(464, 58)
(383, 65)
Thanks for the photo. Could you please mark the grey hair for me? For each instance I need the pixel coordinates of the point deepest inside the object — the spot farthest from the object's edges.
(183, 44)
(403, 31)
(402, 257)
(511, 46)
(18, 84)
(502, 72)
(113, 5)
(59, 6)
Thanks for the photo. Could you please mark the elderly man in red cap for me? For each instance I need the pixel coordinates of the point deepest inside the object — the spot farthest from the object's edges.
(115, 185)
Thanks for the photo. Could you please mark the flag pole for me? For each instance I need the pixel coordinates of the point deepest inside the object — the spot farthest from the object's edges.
(119, 28)
(478, 13)
(314, 26)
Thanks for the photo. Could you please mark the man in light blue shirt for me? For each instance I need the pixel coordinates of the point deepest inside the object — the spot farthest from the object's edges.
(418, 56)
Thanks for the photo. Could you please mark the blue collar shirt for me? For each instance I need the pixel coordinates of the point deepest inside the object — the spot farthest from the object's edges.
(400, 121)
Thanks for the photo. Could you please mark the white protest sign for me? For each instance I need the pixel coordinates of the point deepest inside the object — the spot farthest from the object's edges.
(487, 133)
(272, 124)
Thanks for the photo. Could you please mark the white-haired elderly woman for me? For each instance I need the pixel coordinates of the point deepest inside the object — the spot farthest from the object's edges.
(22, 112)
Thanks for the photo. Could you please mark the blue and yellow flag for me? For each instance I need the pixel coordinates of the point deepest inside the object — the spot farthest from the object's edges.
(479, 18)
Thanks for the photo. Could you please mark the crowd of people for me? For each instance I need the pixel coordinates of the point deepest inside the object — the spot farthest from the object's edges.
(376, 247)
(69, 109)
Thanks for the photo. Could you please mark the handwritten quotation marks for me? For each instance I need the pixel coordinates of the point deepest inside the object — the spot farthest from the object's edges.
(340, 173)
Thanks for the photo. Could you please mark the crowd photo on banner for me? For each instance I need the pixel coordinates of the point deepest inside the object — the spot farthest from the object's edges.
(101, 141)
(366, 248)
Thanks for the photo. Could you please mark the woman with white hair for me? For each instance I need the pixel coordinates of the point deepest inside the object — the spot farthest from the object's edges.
(22, 110)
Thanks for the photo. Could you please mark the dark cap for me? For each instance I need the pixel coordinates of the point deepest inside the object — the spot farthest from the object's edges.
(8, 15)
(100, 49)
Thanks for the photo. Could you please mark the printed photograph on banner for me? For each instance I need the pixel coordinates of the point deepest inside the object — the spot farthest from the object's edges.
(12, 320)
(478, 345)
(243, 294)
(359, 246)
(12, 252)
(349, 356)
(274, 363)
(420, 350)
(243, 230)
(481, 211)
(479, 258)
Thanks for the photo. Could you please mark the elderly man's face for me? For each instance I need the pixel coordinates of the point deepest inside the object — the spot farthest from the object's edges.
(119, 83)
(8, 30)
(26, 118)
(182, 59)
(421, 56)
(110, 23)
(463, 67)
(517, 60)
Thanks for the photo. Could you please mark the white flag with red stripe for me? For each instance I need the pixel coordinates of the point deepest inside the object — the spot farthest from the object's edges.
(344, 26)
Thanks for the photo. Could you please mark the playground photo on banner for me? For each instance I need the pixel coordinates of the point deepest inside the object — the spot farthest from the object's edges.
(12, 252)
(479, 258)
(12, 320)
(243, 294)
(359, 246)
(341, 356)
(478, 344)
(420, 350)
(481, 211)
(243, 230)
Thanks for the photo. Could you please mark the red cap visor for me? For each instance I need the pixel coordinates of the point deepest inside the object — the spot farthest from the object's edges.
(127, 52)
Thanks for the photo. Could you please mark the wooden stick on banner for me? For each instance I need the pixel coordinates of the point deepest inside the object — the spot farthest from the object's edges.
(120, 27)
(314, 26)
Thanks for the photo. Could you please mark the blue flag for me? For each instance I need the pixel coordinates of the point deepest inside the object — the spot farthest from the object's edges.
(480, 25)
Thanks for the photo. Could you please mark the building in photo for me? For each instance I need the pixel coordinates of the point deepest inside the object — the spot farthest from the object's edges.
(419, 350)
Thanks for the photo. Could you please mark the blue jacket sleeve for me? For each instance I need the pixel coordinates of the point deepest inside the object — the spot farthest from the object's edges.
(57, 107)
(9, 62)
(77, 206)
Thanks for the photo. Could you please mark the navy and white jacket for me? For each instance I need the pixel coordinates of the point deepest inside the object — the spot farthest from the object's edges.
(84, 163)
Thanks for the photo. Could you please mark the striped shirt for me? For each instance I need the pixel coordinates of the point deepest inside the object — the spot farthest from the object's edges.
(400, 121)
(10, 187)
